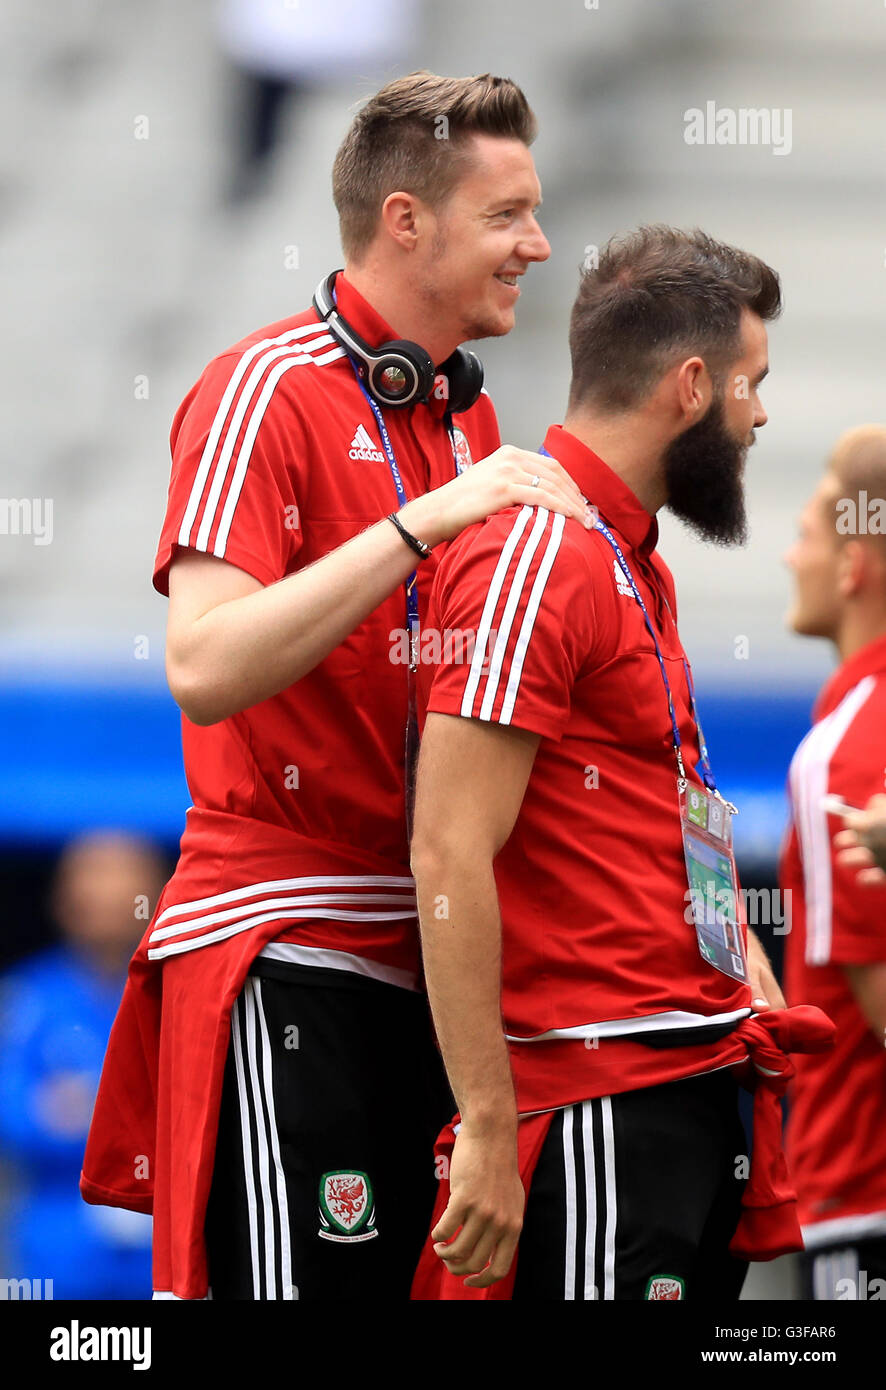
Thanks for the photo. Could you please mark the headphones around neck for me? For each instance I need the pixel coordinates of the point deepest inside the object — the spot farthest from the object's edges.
(400, 372)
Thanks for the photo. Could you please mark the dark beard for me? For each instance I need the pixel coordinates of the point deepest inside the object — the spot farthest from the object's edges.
(703, 478)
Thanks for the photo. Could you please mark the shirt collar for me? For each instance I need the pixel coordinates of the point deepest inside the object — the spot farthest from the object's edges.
(867, 661)
(616, 503)
(371, 326)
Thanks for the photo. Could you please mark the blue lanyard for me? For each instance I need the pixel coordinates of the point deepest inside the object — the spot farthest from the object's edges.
(411, 591)
(706, 769)
(412, 619)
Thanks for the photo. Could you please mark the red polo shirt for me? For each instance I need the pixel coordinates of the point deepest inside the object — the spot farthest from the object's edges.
(837, 1128)
(597, 951)
(298, 813)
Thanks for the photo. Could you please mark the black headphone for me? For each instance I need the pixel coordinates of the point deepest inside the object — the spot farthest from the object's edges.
(400, 372)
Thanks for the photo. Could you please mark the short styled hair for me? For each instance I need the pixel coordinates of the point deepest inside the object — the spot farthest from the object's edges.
(412, 136)
(857, 465)
(656, 295)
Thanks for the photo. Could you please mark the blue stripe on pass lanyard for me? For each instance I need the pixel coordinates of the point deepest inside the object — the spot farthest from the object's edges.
(411, 592)
(411, 589)
(707, 770)
(412, 619)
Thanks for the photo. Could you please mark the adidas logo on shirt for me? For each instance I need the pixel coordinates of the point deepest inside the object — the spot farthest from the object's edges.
(362, 447)
(621, 582)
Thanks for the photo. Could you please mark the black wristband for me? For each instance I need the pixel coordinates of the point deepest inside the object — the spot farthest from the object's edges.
(421, 549)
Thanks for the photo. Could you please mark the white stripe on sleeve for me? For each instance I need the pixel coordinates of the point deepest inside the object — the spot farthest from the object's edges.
(221, 415)
(809, 776)
(489, 607)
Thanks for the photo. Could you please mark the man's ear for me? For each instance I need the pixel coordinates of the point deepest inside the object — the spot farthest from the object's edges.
(694, 389)
(400, 217)
(852, 567)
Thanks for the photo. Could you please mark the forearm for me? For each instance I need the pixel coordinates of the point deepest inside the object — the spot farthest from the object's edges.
(461, 945)
(472, 778)
(231, 643)
(250, 648)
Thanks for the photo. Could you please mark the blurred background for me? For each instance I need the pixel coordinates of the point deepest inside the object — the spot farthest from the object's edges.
(164, 190)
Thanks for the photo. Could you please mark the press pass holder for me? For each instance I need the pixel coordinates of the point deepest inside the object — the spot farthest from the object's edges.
(706, 822)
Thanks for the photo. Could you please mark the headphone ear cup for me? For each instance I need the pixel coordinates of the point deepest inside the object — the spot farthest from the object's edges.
(464, 371)
(401, 373)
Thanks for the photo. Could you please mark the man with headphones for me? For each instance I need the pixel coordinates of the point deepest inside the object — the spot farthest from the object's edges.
(271, 1090)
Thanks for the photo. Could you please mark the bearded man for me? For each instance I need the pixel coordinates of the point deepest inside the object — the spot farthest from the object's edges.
(596, 993)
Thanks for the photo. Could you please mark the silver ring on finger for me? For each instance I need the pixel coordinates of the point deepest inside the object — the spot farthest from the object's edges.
(535, 481)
